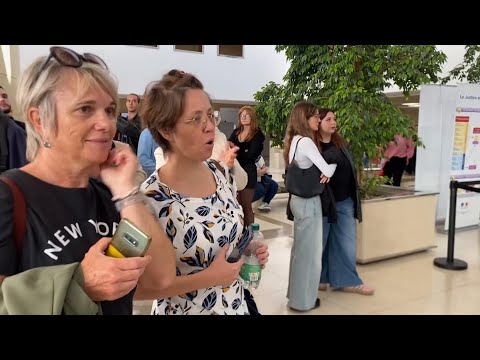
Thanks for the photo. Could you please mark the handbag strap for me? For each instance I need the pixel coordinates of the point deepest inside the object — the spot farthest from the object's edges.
(296, 146)
(19, 212)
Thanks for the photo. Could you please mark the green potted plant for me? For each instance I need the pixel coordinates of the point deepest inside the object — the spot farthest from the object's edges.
(351, 79)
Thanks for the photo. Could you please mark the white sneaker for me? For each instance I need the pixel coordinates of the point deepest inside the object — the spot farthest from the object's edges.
(264, 207)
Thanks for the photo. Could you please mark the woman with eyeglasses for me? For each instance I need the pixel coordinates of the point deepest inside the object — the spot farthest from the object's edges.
(306, 254)
(77, 188)
(222, 149)
(195, 200)
(249, 138)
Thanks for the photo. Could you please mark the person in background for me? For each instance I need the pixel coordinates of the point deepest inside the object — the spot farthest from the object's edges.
(146, 151)
(6, 107)
(13, 137)
(249, 139)
(69, 102)
(306, 255)
(412, 162)
(339, 224)
(129, 128)
(195, 200)
(397, 155)
(266, 187)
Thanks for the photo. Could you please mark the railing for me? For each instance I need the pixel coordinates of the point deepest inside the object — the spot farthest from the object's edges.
(450, 262)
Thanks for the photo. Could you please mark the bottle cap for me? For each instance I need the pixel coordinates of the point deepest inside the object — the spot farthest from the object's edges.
(256, 227)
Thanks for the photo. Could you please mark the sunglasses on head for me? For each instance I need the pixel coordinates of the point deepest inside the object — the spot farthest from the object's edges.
(68, 57)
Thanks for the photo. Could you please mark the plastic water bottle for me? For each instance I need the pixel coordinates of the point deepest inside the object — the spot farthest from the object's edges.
(251, 271)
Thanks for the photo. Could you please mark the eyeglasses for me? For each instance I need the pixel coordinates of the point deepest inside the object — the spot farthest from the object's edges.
(245, 117)
(68, 57)
(200, 119)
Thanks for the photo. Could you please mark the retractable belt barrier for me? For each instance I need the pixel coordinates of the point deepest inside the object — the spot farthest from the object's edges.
(450, 263)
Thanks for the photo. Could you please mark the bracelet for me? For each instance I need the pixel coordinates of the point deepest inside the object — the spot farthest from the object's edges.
(132, 192)
(130, 200)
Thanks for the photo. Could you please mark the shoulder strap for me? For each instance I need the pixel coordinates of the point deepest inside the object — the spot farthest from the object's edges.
(296, 146)
(19, 212)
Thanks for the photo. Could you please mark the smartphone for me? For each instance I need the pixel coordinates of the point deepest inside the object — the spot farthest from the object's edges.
(242, 244)
(128, 241)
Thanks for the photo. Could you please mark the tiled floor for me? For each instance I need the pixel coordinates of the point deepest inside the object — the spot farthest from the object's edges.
(406, 285)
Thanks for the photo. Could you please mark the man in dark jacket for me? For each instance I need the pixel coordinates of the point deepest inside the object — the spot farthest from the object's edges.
(129, 129)
(13, 137)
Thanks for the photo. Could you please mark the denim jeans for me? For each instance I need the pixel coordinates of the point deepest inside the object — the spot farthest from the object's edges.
(306, 254)
(340, 248)
(267, 189)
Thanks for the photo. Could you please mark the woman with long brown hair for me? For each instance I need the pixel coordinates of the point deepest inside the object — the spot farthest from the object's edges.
(306, 255)
(249, 138)
(340, 230)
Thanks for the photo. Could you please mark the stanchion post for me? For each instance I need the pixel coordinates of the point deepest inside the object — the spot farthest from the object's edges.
(450, 262)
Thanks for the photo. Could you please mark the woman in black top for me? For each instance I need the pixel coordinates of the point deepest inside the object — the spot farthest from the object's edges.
(249, 138)
(339, 225)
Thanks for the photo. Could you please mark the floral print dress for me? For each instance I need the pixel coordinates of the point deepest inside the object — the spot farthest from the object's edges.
(198, 227)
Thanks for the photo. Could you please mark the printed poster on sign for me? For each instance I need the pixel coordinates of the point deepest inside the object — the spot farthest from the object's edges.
(466, 153)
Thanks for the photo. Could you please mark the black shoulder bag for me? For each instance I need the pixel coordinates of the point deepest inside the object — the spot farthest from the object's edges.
(304, 183)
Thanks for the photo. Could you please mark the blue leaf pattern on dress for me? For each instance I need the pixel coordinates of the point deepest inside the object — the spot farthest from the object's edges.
(236, 303)
(222, 240)
(200, 255)
(190, 238)
(208, 224)
(208, 235)
(202, 210)
(190, 295)
(190, 260)
(233, 204)
(233, 233)
(210, 301)
(210, 257)
(165, 211)
(171, 230)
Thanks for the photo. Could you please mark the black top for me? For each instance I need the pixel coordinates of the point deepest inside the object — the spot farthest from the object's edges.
(128, 131)
(13, 143)
(62, 224)
(247, 155)
(249, 150)
(342, 182)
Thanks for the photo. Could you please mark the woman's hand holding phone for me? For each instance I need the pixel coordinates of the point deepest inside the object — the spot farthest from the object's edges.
(107, 278)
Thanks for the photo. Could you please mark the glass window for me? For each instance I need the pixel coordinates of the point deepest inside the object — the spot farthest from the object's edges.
(193, 48)
(230, 50)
